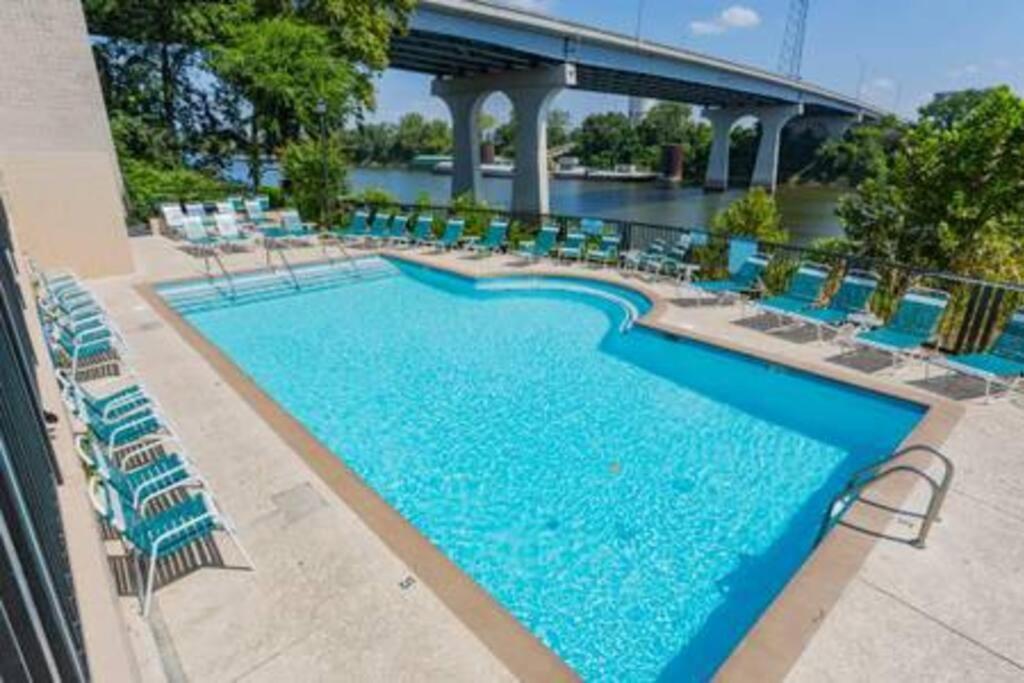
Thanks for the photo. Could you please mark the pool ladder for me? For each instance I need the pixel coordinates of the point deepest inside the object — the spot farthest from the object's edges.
(877, 472)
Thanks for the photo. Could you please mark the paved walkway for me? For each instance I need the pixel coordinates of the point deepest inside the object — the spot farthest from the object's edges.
(329, 600)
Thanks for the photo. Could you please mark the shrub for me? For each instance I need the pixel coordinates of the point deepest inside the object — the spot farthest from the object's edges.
(148, 184)
(755, 215)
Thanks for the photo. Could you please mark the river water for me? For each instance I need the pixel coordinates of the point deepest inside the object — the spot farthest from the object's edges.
(808, 212)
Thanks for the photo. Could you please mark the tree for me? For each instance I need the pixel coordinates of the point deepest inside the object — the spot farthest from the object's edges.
(284, 68)
(316, 173)
(671, 123)
(604, 140)
(864, 152)
(947, 109)
(417, 135)
(952, 197)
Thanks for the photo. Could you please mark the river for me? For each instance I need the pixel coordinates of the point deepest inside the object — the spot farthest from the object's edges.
(808, 212)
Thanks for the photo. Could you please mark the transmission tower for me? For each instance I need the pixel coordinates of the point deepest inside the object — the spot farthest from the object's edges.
(792, 54)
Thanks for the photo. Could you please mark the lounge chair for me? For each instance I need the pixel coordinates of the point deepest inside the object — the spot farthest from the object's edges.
(850, 301)
(914, 324)
(399, 229)
(451, 236)
(805, 289)
(256, 214)
(572, 247)
(196, 210)
(198, 237)
(174, 218)
(607, 253)
(228, 232)
(541, 246)
(163, 470)
(356, 230)
(380, 228)
(1002, 364)
(494, 238)
(592, 227)
(746, 280)
(160, 534)
(422, 232)
(652, 258)
(226, 208)
(238, 203)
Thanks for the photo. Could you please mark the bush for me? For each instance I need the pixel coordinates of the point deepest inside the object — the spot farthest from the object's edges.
(147, 184)
(755, 215)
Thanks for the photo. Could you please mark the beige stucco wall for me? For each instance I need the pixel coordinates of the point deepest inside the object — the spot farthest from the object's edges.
(58, 173)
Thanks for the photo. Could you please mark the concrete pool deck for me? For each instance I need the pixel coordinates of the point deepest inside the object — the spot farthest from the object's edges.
(328, 595)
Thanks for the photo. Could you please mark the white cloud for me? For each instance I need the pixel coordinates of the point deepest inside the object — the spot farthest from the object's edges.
(734, 17)
(738, 16)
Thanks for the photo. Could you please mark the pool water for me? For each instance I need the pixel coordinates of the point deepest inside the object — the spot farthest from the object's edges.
(634, 500)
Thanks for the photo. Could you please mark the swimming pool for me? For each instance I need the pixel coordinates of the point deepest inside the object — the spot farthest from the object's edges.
(634, 500)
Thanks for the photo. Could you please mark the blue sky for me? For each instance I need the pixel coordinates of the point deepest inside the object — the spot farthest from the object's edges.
(899, 51)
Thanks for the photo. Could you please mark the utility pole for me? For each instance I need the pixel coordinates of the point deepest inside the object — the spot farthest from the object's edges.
(792, 55)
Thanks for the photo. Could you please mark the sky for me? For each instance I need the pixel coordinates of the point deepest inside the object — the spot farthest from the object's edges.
(897, 52)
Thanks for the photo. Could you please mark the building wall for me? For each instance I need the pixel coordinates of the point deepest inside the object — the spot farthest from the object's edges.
(58, 172)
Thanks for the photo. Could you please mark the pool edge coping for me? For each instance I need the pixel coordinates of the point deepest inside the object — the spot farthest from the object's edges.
(772, 645)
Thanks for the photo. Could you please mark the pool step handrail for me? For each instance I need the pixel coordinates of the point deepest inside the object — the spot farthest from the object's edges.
(209, 255)
(875, 473)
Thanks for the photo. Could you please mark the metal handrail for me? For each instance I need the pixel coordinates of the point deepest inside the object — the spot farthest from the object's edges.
(874, 473)
(284, 261)
(207, 255)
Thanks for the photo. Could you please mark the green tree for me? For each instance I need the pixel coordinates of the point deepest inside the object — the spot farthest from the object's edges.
(284, 68)
(316, 172)
(953, 195)
(416, 134)
(864, 152)
(947, 109)
(604, 140)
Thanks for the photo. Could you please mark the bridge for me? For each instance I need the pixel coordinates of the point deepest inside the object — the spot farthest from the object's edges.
(475, 48)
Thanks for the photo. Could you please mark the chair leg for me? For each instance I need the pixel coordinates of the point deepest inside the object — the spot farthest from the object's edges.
(150, 576)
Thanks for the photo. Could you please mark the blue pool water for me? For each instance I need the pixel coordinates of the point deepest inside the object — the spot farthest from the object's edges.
(634, 500)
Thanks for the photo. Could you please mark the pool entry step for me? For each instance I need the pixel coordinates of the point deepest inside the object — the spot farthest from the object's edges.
(230, 290)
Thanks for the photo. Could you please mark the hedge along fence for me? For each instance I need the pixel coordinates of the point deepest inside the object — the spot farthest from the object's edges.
(976, 313)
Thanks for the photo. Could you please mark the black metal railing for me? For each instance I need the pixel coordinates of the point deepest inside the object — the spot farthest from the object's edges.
(977, 310)
(40, 631)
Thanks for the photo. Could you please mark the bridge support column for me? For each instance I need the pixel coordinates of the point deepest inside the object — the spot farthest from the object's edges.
(465, 110)
(773, 120)
(531, 93)
(716, 179)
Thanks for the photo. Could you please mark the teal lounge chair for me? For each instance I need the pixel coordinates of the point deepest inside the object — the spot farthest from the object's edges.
(852, 299)
(399, 229)
(1002, 364)
(805, 289)
(381, 227)
(196, 210)
(157, 535)
(452, 234)
(93, 345)
(540, 247)
(914, 324)
(592, 227)
(162, 470)
(422, 232)
(357, 228)
(746, 280)
(607, 253)
(572, 247)
(494, 238)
